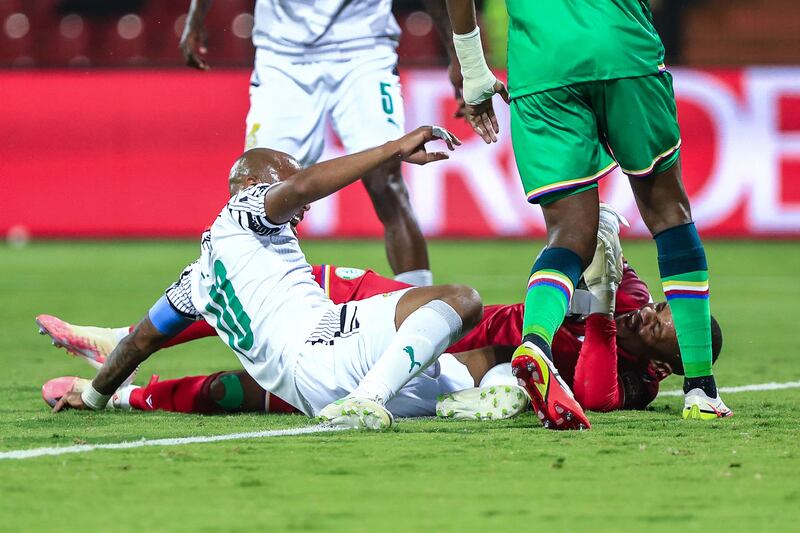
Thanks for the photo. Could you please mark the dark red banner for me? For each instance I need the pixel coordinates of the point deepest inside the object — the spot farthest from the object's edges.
(146, 154)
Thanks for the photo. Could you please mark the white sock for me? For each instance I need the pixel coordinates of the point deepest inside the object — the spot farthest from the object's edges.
(418, 278)
(121, 333)
(421, 338)
(122, 398)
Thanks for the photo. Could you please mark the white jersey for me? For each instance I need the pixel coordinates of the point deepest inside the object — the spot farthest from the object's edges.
(255, 287)
(311, 30)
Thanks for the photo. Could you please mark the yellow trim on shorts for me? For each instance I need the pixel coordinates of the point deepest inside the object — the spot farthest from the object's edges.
(569, 184)
(658, 158)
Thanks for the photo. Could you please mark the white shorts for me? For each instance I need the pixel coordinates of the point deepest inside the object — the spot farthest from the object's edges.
(348, 342)
(290, 103)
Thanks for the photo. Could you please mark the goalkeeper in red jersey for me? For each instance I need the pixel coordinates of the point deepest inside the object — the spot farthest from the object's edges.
(610, 363)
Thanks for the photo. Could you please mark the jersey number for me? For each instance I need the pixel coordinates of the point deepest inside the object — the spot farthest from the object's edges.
(386, 98)
(231, 316)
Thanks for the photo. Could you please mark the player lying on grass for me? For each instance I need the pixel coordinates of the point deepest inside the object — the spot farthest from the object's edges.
(619, 363)
(342, 363)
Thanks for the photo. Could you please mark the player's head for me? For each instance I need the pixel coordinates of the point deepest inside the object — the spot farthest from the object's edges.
(261, 165)
(649, 332)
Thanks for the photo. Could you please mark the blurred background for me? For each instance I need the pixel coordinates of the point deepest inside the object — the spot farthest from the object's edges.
(100, 112)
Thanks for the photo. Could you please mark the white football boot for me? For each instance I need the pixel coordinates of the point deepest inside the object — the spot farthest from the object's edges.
(90, 343)
(697, 405)
(494, 402)
(356, 413)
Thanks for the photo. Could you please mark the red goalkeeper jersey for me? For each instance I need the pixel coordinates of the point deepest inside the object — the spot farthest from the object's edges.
(636, 383)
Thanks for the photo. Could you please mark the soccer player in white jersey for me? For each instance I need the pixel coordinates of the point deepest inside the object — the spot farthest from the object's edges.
(333, 59)
(252, 283)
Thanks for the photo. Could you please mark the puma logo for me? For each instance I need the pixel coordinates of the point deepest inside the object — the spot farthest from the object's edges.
(410, 351)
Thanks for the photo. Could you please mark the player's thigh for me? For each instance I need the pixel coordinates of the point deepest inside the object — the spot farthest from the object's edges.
(556, 144)
(287, 112)
(344, 346)
(639, 118)
(367, 104)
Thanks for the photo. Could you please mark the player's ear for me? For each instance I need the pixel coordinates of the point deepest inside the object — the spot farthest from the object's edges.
(250, 181)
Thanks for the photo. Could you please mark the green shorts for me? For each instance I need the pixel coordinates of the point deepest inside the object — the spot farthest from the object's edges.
(566, 139)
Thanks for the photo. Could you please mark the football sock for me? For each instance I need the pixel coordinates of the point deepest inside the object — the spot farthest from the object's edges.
(419, 340)
(184, 395)
(121, 333)
(553, 279)
(122, 398)
(684, 277)
(418, 278)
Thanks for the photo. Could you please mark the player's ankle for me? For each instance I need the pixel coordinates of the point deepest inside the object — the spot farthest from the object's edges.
(705, 383)
(540, 343)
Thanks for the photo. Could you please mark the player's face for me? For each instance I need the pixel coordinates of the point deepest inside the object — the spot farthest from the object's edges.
(649, 333)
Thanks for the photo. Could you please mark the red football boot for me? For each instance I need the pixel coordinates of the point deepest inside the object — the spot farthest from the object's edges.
(551, 399)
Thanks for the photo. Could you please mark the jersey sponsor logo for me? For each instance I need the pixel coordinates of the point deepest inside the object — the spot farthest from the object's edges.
(410, 351)
(349, 273)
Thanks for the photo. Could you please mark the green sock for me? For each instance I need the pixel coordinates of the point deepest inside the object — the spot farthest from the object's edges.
(687, 295)
(550, 287)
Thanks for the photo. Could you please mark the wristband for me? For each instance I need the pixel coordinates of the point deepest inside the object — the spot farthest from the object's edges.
(93, 399)
(478, 79)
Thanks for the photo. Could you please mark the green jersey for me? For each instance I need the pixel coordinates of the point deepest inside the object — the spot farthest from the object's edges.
(553, 43)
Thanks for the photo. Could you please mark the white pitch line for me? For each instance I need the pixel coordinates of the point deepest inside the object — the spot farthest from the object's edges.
(744, 388)
(80, 448)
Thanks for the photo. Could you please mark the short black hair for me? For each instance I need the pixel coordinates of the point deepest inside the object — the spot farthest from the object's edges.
(716, 346)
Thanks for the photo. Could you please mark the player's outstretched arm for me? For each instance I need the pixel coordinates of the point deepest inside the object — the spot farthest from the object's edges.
(284, 199)
(438, 12)
(194, 40)
(479, 82)
(129, 354)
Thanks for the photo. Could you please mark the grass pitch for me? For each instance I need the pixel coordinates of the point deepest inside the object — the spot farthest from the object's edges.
(633, 470)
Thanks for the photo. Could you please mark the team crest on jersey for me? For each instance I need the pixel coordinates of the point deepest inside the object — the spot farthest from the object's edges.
(349, 273)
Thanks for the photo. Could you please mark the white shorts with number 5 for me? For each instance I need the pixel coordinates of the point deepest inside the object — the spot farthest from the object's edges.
(291, 102)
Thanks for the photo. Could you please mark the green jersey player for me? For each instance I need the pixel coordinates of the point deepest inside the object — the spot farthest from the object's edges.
(589, 92)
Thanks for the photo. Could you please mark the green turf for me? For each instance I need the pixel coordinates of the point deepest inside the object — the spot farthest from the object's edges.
(633, 470)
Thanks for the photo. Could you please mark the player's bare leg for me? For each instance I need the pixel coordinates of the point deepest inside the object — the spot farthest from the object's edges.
(572, 224)
(665, 209)
(427, 320)
(406, 249)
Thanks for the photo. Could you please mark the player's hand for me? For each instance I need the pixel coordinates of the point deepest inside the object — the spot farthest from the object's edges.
(412, 145)
(71, 400)
(194, 45)
(454, 73)
(481, 115)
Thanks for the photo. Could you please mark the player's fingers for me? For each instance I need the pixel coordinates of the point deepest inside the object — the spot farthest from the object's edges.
(493, 119)
(487, 125)
(60, 404)
(436, 156)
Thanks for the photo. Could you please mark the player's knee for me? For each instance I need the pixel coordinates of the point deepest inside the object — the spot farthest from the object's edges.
(467, 303)
(227, 392)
